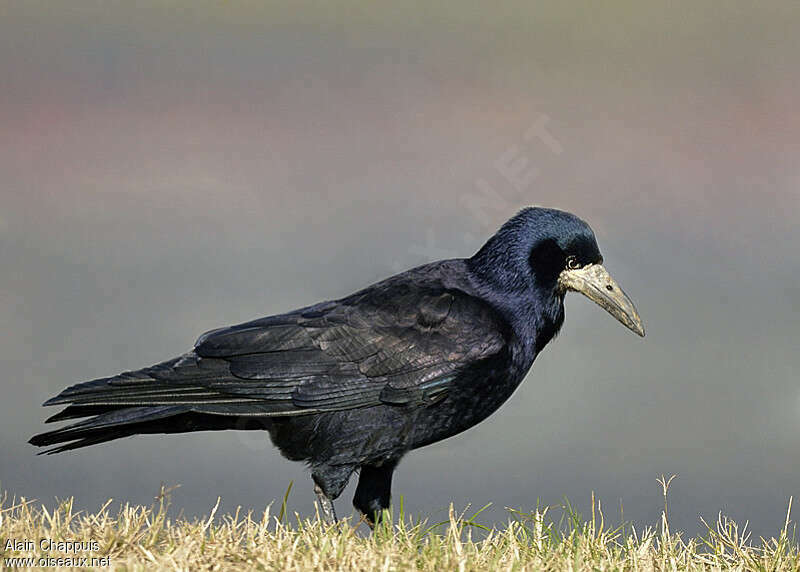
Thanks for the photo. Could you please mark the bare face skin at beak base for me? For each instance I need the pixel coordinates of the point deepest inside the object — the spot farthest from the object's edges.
(594, 282)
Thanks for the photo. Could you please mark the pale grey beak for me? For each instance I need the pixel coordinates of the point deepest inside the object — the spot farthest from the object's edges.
(594, 282)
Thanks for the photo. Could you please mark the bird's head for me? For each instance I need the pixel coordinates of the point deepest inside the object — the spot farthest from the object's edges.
(552, 252)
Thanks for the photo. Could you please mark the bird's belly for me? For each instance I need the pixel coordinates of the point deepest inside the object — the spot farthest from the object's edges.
(374, 435)
(371, 435)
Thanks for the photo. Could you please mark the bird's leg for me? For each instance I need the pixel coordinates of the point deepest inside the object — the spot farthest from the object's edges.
(374, 491)
(329, 482)
(325, 506)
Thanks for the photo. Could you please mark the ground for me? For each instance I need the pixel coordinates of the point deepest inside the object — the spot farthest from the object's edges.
(139, 538)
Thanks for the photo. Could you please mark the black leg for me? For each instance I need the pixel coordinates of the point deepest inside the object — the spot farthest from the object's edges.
(374, 491)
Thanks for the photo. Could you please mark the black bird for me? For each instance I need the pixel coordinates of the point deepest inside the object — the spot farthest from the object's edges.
(354, 384)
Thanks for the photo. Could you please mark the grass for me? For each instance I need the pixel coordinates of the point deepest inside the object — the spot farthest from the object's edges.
(138, 537)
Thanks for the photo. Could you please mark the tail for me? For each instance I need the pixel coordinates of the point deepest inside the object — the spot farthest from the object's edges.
(165, 398)
(130, 421)
(105, 426)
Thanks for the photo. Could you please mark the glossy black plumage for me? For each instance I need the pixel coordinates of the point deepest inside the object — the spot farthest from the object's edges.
(354, 384)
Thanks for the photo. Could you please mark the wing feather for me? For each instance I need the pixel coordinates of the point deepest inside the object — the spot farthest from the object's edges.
(397, 343)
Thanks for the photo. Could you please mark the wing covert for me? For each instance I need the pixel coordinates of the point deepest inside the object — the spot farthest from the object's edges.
(396, 346)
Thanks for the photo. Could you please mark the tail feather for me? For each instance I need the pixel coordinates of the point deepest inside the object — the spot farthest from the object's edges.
(86, 441)
(106, 423)
(121, 423)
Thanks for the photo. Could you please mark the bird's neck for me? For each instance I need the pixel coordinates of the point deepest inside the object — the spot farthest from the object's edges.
(535, 314)
(537, 319)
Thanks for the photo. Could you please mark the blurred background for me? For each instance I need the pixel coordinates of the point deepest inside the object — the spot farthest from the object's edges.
(171, 167)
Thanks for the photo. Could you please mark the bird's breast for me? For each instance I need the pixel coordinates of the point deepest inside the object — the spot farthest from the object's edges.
(477, 393)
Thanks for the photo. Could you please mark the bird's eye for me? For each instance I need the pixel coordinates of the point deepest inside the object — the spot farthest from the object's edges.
(572, 263)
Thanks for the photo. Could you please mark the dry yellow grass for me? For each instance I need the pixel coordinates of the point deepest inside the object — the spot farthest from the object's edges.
(137, 538)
